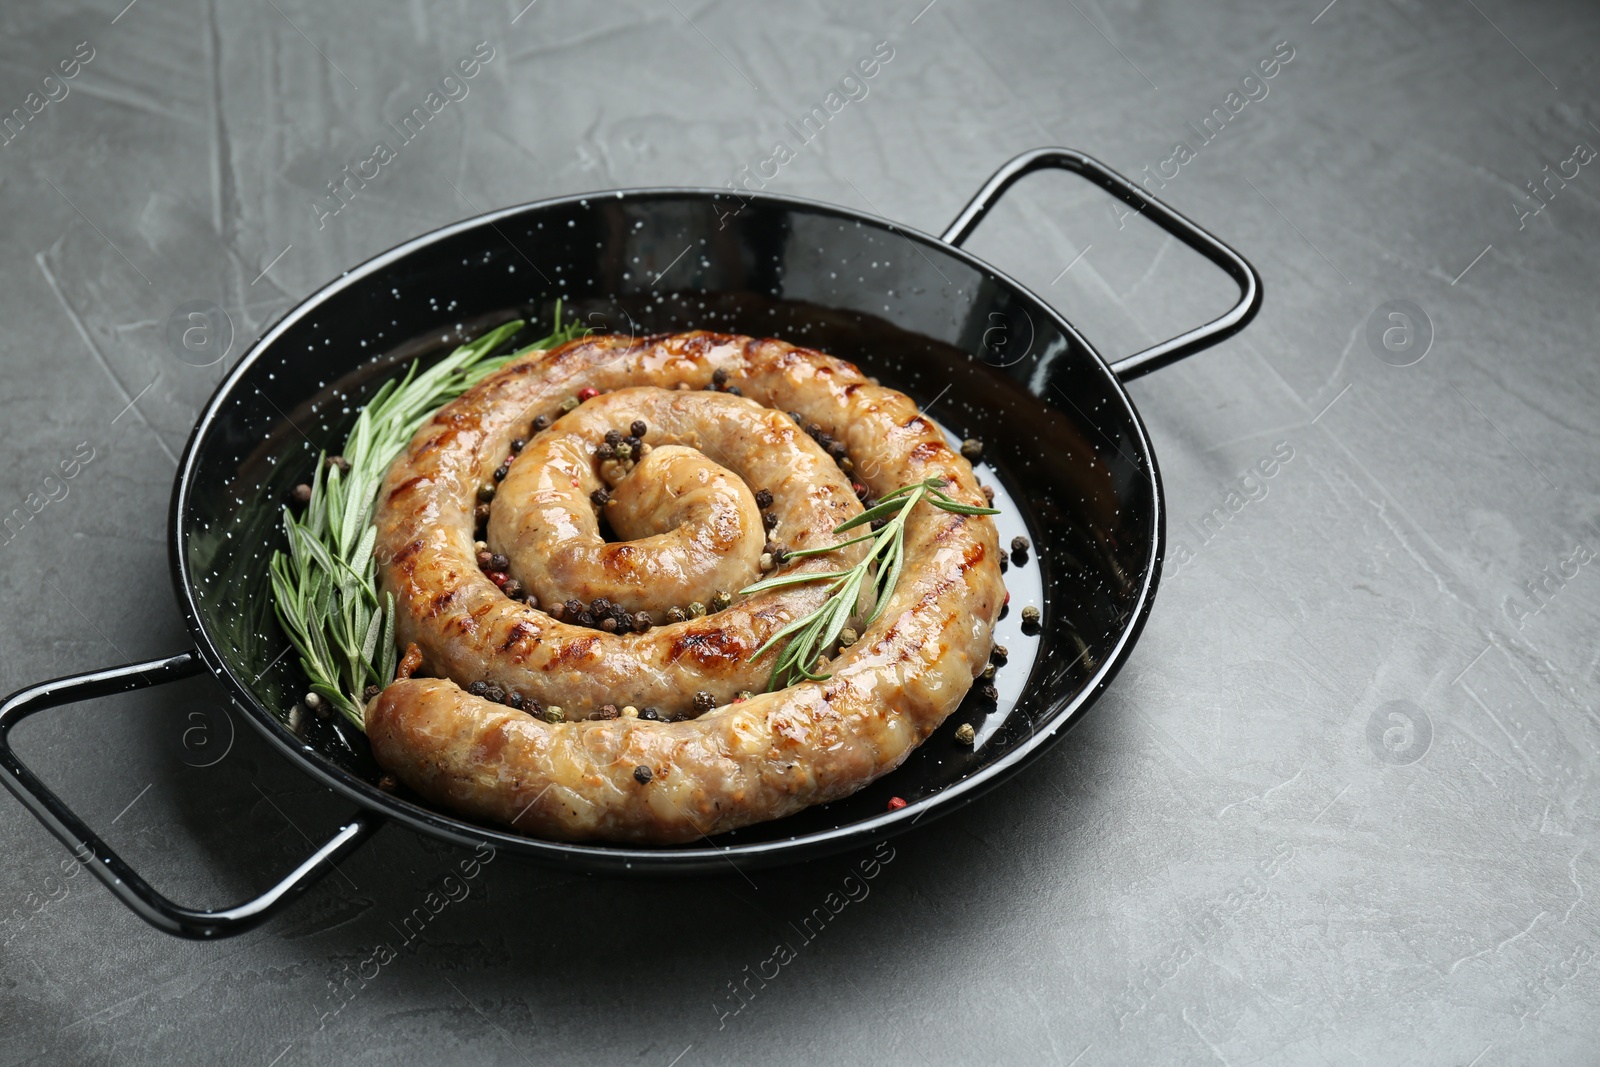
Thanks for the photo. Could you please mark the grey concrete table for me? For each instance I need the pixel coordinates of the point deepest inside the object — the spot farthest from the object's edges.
(1341, 805)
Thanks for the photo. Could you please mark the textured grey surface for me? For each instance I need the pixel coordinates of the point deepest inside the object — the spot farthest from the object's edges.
(1240, 856)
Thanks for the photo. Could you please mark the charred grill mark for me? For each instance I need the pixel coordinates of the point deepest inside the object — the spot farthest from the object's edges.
(520, 632)
(925, 452)
(571, 653)
(442, 602)
(709, 649)
(408, 485)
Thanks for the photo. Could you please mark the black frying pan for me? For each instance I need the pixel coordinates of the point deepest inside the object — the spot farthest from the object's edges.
(987, 358)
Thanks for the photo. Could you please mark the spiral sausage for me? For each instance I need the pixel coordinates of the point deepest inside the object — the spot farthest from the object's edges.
(686, 510)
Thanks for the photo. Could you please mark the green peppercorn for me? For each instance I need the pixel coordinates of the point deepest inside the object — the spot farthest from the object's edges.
(721, 599)
(675, 614)
(569, 404)
(989, 671)
(696, 609)
(555, 713)
(624, 451)
(965, 734)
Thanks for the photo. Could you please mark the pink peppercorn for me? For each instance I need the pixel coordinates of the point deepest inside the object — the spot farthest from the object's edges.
(587, 394)
(499, 578)
(896, 803)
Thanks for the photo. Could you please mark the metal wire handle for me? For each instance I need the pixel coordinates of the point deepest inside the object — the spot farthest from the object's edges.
(1181, 227)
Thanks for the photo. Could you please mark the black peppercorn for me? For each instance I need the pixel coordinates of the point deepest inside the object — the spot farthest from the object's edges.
(600, 606)
(734, 390)
(514, 700)
(719, 377)
(369, 692)
(837, 450)
(650, 713)
(999, 655)
(613, 437)
(763, 499)
(480, 513)
(799, 419)
(531, 600)
(643, 774)
(988, 692)
(518, 444)
(605, 452)
(498, 562)
(633, 444)
(972, 450)
(500, 472)
(639, 429)
(541, 422)
(826, 441)
(704, 702)
(988, 493)
(600, 497)
(1019, 544)
(585, 619)
(512, 589)
(477, 689)
(769, 520)
(574, 609)
(1003, 565)
(494, 694)
(642, 621)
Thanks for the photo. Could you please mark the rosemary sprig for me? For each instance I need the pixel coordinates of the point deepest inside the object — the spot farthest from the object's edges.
(811, 635)
(325, 587)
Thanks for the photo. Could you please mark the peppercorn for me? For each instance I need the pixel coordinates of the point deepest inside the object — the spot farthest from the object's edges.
(869, 502)
(988, 692)
(763, 499)
(638, 428)
(585, 619)
(778, 549)
(1019, 545)
(534, 708)
(480, 513)
(557, 611)
(847, 464)
(531, 600)
(569, 404)
(988, 493)
(650, 713)
(799, 419)
(369, 692)
(813, 429)
(624, 451)
(588, 393)
(766, 563)
(485, 558)
(721, 599)
(514, 700)
(512, 589)
(630, 712)
(642, 621)
(675, 614)
(769, 519)
(837, 450)
(518, 444)
(608, 711)
(826, 441)
(541, 422)
(999, 655)
(603, 452)
(1030, 618)
(989, 671)
(494, 694)
(498, 562)
(608, 624)
(848, 637)
(643, 774)
(387, 783)
(972, 450)
(896, 803)
(734, 390)
(501, 471)
(696, 609)
(744, 694)
(600, 605)
(574, 608)
(1004, 566)
(703, 702)
(613, 438)
(965, 734)
(600, 497)
(878, 524)
(301, 494)
(315, 702)
(340, 462)
(719, 377)
(554, 713)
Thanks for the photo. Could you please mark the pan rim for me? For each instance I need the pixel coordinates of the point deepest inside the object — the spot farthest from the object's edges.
(632, 859)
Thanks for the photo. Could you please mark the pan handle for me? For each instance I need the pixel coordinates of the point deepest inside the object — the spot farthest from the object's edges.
(1157, 356)
(109, 867)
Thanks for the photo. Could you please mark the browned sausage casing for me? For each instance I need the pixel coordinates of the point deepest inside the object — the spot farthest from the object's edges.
(743, 762)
